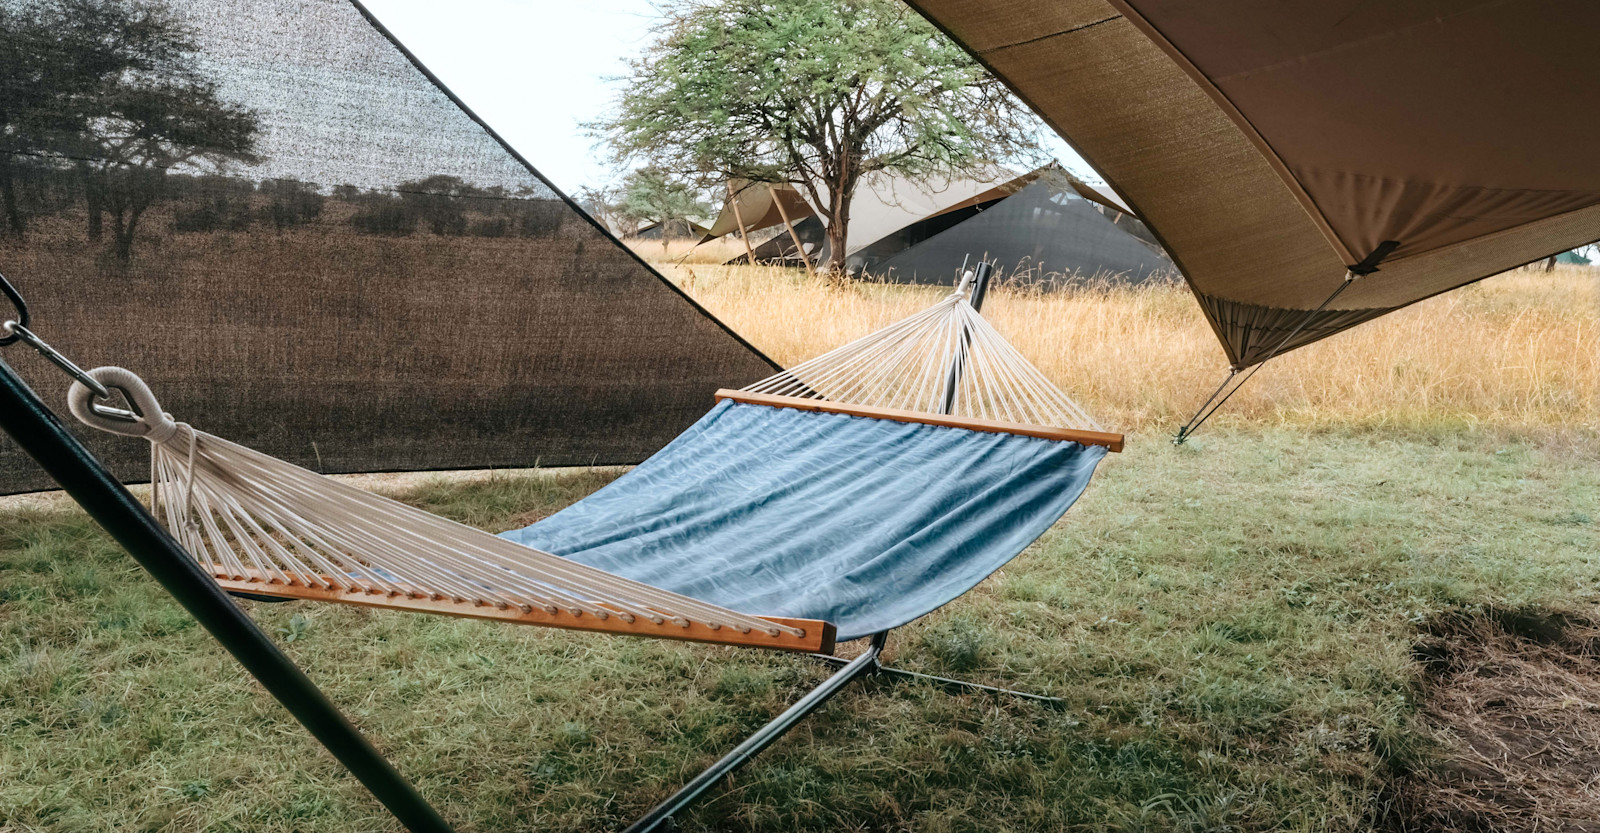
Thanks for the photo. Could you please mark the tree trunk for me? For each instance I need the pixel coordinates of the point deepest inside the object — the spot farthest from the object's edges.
(839, 229)
(8, 195)
(94, 198)
(124, 234)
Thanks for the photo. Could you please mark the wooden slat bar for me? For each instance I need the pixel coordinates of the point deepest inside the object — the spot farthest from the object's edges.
(1111, 441)
(818, 638)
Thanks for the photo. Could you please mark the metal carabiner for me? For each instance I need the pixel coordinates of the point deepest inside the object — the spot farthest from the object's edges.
(16, 300)
(30, 338)
(13, 330)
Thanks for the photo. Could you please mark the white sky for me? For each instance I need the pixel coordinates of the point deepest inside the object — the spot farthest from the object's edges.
(536, 70)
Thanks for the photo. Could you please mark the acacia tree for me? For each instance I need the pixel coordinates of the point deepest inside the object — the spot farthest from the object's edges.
(112, 88)
(818, 93)
(651, 195)
(154, 111)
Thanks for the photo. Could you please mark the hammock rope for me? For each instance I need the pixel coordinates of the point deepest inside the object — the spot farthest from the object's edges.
(249, 517)
(946, 359)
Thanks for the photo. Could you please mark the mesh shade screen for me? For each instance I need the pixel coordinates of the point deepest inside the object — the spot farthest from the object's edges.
(304, 244)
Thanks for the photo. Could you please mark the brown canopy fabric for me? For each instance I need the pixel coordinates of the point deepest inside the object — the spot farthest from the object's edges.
(1275, 144)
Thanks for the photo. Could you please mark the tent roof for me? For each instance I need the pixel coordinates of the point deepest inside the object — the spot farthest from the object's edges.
(1272, 145)
(884, 202)
(758, 207)
(1048, 228)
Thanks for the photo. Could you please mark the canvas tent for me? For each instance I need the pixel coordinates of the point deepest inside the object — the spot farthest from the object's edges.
(378, 284)
(884, 203)
(670, 230)
(891, 214)
(1046, 234)
(1275, 146)
(1573, 259)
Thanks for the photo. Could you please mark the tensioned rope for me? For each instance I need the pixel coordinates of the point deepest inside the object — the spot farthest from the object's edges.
(1213, 404)
(911, 365)
(247, 516)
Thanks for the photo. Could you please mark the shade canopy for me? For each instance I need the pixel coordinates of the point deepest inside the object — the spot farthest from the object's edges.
(315, 250)
(1275, 144)
(756, 205)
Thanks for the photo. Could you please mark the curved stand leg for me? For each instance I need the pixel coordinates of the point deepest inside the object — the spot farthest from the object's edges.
(660, 818)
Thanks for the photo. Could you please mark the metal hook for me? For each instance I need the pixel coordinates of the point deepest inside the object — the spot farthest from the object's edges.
(20, 332)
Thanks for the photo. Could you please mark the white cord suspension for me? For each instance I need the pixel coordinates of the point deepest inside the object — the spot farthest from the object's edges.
(246, 516)
(911, 364)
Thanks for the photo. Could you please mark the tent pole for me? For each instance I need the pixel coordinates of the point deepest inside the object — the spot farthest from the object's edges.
(784, 213)
(660, 817)
(37, 430)
(738, 217)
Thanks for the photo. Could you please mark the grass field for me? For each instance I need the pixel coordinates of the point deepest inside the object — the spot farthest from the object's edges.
(1241, 626)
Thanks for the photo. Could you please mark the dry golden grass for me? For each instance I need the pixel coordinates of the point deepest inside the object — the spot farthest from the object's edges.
(1518, 350)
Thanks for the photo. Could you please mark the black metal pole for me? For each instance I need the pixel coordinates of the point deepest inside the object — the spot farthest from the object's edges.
(867, 663)
(952, 380)
(36, 429)
(980, 283)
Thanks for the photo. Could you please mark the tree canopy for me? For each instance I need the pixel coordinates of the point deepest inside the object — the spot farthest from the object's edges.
(819, 93)
(651, 195)
(114, 90)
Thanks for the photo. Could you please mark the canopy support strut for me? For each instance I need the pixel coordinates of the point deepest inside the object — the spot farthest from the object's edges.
(744, 236)
(1207, 408)
(793, 235)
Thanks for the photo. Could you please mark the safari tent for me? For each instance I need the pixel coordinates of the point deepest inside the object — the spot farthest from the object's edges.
(905, 231)
(1047, 235)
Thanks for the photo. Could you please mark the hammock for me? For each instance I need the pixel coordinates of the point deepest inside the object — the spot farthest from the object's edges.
(846, 496)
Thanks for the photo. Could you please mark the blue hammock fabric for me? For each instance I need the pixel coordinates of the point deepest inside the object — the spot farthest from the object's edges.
(866, 523)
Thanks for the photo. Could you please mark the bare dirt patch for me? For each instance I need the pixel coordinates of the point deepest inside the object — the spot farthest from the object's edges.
(1514, 699)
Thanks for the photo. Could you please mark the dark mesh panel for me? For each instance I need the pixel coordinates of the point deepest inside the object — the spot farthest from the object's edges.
(308, 247)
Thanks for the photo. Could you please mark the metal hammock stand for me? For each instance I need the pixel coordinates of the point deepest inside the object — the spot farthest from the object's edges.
(241, 522)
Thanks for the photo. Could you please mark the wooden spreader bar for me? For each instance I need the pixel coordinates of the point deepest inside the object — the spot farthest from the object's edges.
(1111, 441)
(817, 639)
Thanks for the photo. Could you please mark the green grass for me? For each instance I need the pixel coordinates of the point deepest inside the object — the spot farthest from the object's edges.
(1231, 622)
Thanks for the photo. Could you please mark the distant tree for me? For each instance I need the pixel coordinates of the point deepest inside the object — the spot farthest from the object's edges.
(290, 202)
(651, 195)
(603, 204)
(384, 214)
(540, 217)
(212, 203)
(819, 93)
(155, 112)
(440, 201)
